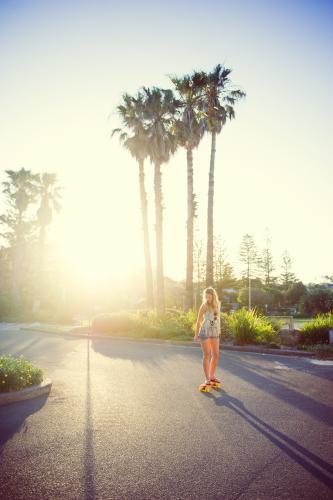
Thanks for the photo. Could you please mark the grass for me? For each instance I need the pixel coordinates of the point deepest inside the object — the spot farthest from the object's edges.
(250, 327)
(316, 331)
(18, 373)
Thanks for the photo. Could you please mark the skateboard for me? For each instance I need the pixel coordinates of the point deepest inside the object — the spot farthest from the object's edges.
(206, 388)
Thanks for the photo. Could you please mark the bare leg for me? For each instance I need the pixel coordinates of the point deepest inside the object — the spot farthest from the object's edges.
(214, 346)
(205, 345)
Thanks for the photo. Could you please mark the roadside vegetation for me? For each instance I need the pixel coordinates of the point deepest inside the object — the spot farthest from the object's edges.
(18, 373)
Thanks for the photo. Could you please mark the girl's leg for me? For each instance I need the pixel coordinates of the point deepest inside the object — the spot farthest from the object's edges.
(205, 346)
(214, 347)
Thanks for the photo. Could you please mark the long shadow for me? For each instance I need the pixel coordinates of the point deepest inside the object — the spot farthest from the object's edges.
(296, 364)
(293, 449)
(264, 370)
(89, 460)
(25, 348)
(305, 403)
(140, 351)
(13, 416)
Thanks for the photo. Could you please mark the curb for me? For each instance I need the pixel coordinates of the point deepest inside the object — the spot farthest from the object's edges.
(227, 347)
(26, 393)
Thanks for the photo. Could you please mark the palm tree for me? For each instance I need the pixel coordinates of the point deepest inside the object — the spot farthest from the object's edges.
(189, 129)
(217, 106)
(159, 109)
(20, 191)
(131, 115)
(49, 195)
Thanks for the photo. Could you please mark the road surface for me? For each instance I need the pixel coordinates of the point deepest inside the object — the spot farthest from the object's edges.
(124, 420)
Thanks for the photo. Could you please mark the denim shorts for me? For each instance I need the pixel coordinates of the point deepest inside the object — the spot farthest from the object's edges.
(203, 336)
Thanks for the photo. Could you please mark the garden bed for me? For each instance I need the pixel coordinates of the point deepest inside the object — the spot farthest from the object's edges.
(20, 380)
(18, 373)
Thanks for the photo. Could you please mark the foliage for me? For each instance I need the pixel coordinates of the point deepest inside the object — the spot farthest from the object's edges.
(317, 300)
(219, 97)
(249, 256)
(294, 293)
(316, 330)
(250, 327)
(276, 323)
(17, 373)
(118, 322)
(150, 324)
(259, 297)
(287, 277)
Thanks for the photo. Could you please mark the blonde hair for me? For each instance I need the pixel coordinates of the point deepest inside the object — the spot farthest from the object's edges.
(216, 303)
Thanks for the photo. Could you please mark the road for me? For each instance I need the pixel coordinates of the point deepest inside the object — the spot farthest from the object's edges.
(124, 420)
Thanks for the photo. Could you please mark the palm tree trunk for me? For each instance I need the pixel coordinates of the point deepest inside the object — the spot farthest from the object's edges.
(17, 259)
(148, 268)
(210, 220)
(42, 287)
(16, 273)
(190, 219)
(159, 239)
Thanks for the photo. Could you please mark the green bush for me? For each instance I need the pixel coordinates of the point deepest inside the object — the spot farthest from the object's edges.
(250, 327)
(225, 328)
(276, 323)
(173, 324)
(148, 324)
(17, 373)
(316, 330)
(119, 322)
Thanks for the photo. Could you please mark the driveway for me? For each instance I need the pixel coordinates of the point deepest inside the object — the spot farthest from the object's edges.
(125, 420)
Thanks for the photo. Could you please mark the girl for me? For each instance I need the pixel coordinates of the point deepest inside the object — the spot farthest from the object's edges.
(209, 333)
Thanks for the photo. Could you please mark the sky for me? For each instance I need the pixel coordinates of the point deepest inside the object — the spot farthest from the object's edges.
(64, 66)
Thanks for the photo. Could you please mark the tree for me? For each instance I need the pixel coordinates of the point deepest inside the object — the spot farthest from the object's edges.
(223, 270)
(189, 130)
(49, 202)
(259, 297)
(317, 300)
(266, 264)
(294, 293)
(20, 191)
(159, 107)
(249, 257)
(134, 138)
(287, 276)
(217, 106)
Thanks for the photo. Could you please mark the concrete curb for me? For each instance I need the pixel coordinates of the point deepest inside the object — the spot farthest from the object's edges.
(26, 393)
(229, 347)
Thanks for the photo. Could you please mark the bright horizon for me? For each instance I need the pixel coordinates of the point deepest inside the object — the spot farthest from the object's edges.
(64, 68)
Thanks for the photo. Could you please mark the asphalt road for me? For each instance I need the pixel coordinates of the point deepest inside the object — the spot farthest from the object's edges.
(125, 420)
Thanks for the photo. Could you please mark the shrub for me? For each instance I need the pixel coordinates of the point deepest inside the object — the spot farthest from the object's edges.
(17, 373)
(172, 324)
(250, 327)
(316, 330)
(225, 328)
(119, 322)
(150, 324)
(276, 323)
